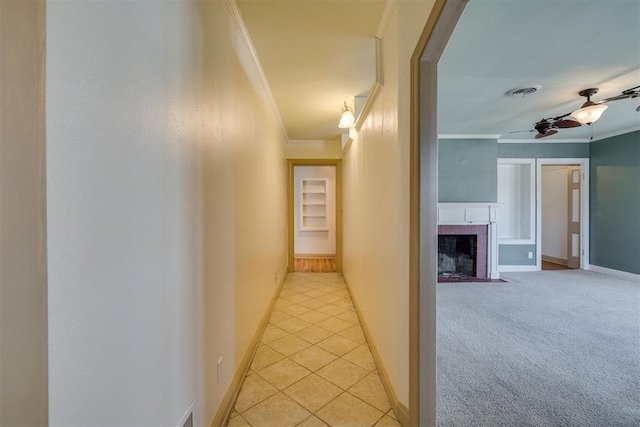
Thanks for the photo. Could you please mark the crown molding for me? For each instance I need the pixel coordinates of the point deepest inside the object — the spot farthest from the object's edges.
(544, 141)
(467, 136)
(571, 140)
(389, 8)
(244, 35)
(314, 141)
(616, 133)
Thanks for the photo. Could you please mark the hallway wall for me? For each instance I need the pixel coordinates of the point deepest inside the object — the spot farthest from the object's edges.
(314, 149)
(166, 209)
(376, 201)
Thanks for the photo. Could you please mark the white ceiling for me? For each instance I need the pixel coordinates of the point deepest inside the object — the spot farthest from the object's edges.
(563, 45)
(316, 54)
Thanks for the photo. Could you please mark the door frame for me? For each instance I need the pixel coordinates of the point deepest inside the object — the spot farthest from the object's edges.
(584, 207)
(292, 163)
(423, 199)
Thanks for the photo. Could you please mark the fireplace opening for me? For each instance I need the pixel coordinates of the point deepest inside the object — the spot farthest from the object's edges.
(457, 255)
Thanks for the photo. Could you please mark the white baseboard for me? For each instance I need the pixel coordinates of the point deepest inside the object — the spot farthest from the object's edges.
(399, 409)
(612, 272)
(516, 268)
(229, 398)
(186, 415)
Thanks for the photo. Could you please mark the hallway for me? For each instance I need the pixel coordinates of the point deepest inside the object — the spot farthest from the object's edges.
(313, 366)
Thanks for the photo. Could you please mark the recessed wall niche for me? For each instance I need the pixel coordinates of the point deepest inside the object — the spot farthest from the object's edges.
(516, 197)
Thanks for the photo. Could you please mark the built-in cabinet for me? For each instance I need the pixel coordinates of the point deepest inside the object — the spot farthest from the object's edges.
(313, 208)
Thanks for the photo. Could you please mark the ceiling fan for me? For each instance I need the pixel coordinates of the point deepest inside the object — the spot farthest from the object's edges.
(587, 114)
(548, 127)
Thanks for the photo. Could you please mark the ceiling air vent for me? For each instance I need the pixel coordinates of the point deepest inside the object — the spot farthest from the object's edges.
(524, 91)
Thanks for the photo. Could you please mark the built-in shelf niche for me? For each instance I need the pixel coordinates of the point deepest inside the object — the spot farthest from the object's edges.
(516, 196)
(313, 206)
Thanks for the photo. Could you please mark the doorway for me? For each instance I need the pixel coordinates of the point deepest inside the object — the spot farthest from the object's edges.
(562, 200)
(314, 223)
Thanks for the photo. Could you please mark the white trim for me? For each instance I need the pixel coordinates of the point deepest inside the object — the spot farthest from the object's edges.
(516, 268)
(544, 141)
(375, 90)
(244, 35)
(532, 202)
(185, 416)
(584, 206)
(516, 241)
(616, 133)
(612, 272)
(470, 136)
(314, 141)
(389, 8)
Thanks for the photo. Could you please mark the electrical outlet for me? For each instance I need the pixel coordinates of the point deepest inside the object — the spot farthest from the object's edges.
(218, 370)
(530, 255)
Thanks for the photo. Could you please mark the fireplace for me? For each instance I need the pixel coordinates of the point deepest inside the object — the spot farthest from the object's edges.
(463, 251)
(475, 226)
(457, 254)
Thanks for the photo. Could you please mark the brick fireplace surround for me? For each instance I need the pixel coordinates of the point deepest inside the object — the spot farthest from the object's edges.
(481, 233)
(479, 219)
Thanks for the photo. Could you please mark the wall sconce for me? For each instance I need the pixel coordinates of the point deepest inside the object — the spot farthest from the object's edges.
(347, 120)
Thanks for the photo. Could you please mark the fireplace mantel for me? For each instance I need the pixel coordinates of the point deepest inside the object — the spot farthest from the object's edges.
(467, 213)
(475, 214)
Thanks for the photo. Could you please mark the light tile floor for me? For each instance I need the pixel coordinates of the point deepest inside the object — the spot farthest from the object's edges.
(313, 366)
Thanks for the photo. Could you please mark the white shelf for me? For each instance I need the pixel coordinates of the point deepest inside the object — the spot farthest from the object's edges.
(313, 207)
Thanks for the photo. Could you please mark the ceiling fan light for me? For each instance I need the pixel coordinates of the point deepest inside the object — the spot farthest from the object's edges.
(589, 113)
(348, 120)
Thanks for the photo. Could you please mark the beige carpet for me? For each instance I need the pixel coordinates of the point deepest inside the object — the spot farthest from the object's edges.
(550, 348)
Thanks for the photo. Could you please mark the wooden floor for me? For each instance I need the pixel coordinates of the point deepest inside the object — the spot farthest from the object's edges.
(546, 265)
(314, 265)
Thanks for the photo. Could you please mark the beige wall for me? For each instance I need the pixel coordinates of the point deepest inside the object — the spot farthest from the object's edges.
(23, 264)
(314, 149)
(376, 201)
(167, 208)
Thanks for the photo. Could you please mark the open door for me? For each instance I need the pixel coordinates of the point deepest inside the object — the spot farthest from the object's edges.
(574, 218)
(315, 215)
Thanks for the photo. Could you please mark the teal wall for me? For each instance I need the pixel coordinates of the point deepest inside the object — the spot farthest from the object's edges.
(516, 254)
(468, 173)
(467, 170)
(615, 203)
(546, 150)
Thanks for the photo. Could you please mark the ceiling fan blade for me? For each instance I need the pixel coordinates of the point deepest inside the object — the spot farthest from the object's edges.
(548, 133)
(614, 98)
(519, 131)
(567, 123)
